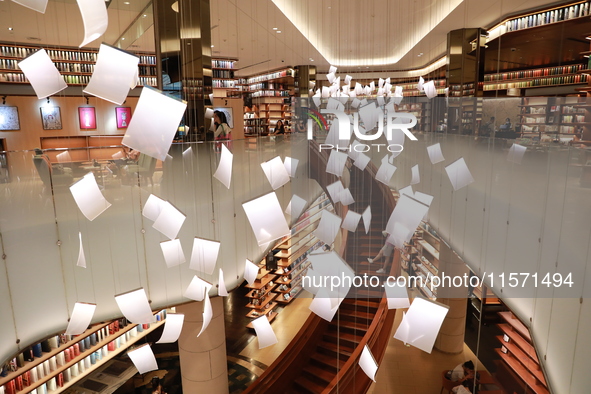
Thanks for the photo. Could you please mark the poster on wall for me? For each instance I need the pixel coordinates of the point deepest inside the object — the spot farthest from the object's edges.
(51, 118)
(228, 112)
(9, 118)
(87, 117)
(123, 115)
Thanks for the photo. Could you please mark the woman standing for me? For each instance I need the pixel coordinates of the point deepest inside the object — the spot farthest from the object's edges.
(222, 130)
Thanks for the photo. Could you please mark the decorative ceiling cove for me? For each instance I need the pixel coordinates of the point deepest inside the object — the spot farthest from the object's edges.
(374, 35)
(361, 33)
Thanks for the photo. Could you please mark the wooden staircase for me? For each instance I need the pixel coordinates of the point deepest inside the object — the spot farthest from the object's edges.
(328, 357)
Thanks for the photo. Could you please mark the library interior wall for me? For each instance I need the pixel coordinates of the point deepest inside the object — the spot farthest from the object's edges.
(42, 281)
(31, 129)
(518, 218)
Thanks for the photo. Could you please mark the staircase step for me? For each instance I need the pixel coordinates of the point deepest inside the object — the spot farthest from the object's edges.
(360, 315)
(319, 374)
(330, 363)
(353, 303)
(332, 349)
(305, 385)
(342, 338)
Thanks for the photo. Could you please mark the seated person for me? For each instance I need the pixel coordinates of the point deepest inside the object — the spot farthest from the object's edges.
(463, 388)
(279, 128)
(463, 372)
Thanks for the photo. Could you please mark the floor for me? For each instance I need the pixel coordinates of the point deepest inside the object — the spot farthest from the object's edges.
(403, 369)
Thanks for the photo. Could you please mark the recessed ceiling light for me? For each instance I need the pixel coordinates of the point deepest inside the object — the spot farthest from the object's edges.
(145, 15)
(274, 28)
(122, 38)
(212, 46)
(10, 28)
(126, 2)
(278, 31)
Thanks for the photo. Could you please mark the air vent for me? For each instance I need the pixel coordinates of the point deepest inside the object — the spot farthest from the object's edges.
(33, 39)
(217, 52)
(134, 46)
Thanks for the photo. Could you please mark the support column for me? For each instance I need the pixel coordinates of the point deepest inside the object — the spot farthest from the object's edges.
(451, 335)
(182, 30)
(204, 367)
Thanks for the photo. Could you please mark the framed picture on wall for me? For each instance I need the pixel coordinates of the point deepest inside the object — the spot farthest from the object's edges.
(51, 118)
(9, 118)
(87, 117)
(123, 116)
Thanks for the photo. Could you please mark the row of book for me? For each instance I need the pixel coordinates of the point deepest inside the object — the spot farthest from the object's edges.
(279, 74)
(569, 109)
(52, 371)
(541, 72)
(564, 80)
(544, 18)
(271, 93)
(223, 74)
(222, 64)
(573, 118)
(70, 79)
(267, 85)
(218, 83)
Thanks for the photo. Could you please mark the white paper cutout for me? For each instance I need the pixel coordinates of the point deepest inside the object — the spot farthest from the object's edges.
(154, 123)
(346, 197)
(459, 174)
(276, 173)
(169, 221)
(291, 166)
(88, 197)
(397, 296)
(351, 221)
(328, 227)
(416, 178)
(81, 259)
(173, 252)
(204, 255)
(368, 363)
(264, 331)
(42, 74)
(435, 154)
(361, 161)
(143, 358)
(421, 324)
(430, 90)
(222, 291)
(197, 289)
(251, 271)
(266, 218)
(95, 19)
(135, 307)
(366, 218)
(207, 313)
(80, 318)
(172, 328)
(385, 173)
(516, 153)
(153, 207)
(296, 207)
(334, 190)
(336, 163)
(114, 74)
(224, 171)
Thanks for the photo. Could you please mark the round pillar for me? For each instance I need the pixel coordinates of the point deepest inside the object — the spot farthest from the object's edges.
(204, 366)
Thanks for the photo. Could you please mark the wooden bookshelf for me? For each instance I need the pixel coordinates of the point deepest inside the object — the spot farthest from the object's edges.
(519, 355)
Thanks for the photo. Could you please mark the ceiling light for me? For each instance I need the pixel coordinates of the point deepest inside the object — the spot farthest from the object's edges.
(122, 38)
(274, 28)
(278, 31)
(10, 28)
(126, 2)
(212, 46)
(145, 15)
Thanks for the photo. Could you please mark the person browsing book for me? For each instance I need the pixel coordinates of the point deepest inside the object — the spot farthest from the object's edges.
(279, 128)
(222, 130)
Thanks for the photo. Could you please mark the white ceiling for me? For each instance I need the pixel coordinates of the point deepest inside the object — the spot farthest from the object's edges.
(355, 35)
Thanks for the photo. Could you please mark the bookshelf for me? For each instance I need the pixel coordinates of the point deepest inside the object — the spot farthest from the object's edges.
(534, 78)
(421, 110)
(558, 14)
(76, 65)
(223, 75)
(293, 250)
(519, 367)
(68, 359)
(559, 119)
